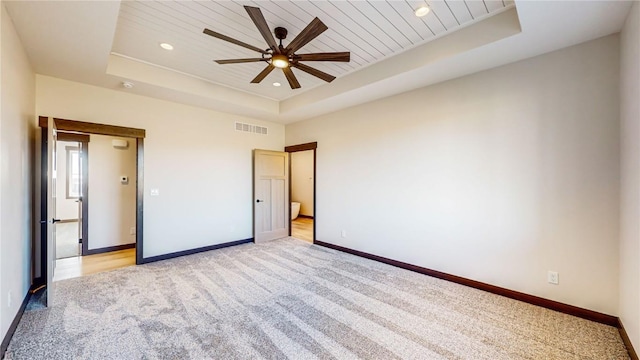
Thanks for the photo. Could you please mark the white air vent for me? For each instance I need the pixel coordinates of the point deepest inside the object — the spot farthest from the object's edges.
(251, 128)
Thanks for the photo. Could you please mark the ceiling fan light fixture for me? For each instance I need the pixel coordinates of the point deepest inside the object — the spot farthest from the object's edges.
(422, 11)
(280, 61)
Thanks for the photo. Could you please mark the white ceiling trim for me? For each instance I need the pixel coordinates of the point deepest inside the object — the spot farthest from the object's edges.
(140, 72)
(114, 72)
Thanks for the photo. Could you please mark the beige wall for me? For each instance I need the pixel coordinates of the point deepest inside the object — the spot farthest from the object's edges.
(630, 176)
(302, 180)
(17, 123)
(112, 205)
(65, 208)
(200, 164)
(498, 176)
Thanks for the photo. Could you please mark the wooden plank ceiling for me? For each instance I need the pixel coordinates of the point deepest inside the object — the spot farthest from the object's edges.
(371, 30)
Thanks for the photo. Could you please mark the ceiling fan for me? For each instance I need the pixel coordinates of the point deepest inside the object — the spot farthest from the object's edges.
(278, 56)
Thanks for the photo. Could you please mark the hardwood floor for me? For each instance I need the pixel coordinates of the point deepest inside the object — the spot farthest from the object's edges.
(84, 265)
(302, 228)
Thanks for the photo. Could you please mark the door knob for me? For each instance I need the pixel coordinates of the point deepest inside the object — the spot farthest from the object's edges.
(53, 221)
(258, 201)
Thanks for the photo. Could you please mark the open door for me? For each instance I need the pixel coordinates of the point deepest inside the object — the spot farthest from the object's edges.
(81, 225)
(51, 208)
(271, 195)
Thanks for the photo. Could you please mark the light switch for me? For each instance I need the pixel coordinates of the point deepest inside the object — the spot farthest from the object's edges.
(155, 192)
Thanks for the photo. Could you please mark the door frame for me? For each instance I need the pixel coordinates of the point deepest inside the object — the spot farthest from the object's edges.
(83, 139)
(79, 128)
(296, 148)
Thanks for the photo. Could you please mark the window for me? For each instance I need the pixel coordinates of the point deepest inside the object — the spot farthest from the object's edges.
(73, 172)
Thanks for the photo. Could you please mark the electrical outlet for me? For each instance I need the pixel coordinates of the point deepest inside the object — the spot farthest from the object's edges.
(9, 298)
(553, 277)
(344, 233)
(132, 231)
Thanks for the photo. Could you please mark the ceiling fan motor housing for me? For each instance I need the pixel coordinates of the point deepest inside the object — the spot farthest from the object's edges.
(280, 32)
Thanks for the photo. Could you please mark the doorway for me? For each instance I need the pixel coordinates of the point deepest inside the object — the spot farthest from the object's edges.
(302, 191)
(47, 249)
(108, 178)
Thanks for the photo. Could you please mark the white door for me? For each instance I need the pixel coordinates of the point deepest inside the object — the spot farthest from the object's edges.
(271, 195)
(51, 208)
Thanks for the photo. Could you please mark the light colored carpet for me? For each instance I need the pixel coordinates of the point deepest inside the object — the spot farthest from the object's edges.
(290, 299)
(66, 240)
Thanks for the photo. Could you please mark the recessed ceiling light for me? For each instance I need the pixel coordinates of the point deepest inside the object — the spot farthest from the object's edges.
(422, 11)
(276, 84)
(166, 46)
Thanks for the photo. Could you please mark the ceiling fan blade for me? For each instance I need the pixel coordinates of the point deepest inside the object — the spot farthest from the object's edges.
(258, 19)
(332, 56)
(315, 28)
(315, 72)
(238, 61)
(233, 41)
(291, 78)
(263, 74)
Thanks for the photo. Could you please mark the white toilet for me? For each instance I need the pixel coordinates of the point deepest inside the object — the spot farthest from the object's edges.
(295, 210)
